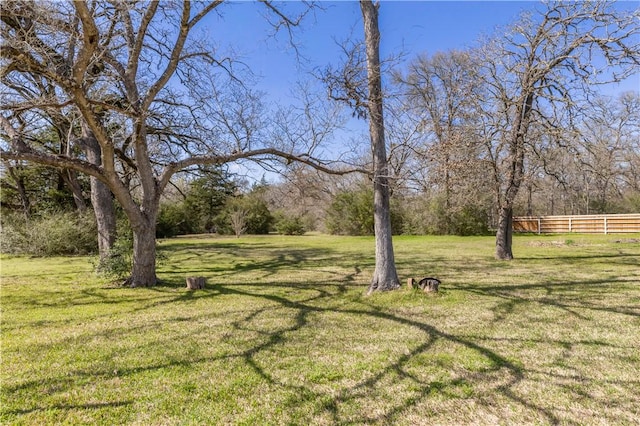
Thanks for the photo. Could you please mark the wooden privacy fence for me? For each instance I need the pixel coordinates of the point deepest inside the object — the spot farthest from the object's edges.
(586, 224)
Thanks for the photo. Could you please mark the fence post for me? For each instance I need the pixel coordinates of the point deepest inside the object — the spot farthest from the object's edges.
(605, 225)
(570, 224)
(539, 226)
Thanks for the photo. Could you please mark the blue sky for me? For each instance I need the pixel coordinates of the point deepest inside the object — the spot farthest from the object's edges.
(410, 27)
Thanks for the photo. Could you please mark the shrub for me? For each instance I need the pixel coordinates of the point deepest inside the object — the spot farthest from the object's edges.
(120, 259)
(470, 220)
(289, 224)
(431, 216)
(351, 213)
(257, 219)
(52, 234)
(176, 219)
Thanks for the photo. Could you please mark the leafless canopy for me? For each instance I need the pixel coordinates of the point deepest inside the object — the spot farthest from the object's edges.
(144, 85)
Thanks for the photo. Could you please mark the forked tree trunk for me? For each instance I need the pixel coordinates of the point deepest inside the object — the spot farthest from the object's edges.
(504, 234)
(385, 276)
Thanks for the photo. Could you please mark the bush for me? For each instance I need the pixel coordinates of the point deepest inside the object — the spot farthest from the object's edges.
(351, 213)
(289, 225)
(176, 219)
(257, 220)
(52, 234)
(120, 259)
(432, 217)
(470, 220)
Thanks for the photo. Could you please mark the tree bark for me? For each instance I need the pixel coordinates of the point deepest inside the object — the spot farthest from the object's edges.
(385, 276)
(143, 271)
(101, 199)
(504, 234)
(104, 211)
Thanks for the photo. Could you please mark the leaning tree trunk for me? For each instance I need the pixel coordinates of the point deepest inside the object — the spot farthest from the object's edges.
(504, 234)
(385, 276)
(101, 199)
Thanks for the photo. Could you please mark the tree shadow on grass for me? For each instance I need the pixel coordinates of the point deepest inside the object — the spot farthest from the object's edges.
(570, 296)
(397, 367)
(67, 407)
(515, 372)
(300, 309)
(268, 264)
(309, 299)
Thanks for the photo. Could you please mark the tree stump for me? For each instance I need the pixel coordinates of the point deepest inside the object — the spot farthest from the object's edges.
(429, 284)
(195, 283)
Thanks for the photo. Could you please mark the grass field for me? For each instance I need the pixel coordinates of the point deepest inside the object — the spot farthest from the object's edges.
(284, 334)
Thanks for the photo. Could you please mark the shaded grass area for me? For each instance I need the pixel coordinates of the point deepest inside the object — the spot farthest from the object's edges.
(284, 334)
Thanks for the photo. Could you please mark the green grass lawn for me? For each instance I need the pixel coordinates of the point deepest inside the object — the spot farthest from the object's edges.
(284, 334)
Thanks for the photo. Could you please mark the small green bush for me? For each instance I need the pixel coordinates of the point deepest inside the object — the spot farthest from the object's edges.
(258, 219)
(52, 234)
(431, 216)
(470, 220)
(351, 213)
(176, 219)
(289, 225)
(120, 259)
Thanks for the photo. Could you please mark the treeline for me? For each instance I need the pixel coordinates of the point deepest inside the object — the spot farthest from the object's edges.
(46, 219)
(439, 187)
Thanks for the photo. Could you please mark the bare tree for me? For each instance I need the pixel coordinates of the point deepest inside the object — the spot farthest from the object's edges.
(238, 218)
(536, 75)
(440, 92)
(358, 83)
(385, 276)
(14, 172)
(605, 144)
(118, 64)
(101, 198)
(629, 106)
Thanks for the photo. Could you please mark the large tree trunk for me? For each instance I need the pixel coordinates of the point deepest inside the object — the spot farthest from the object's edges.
(104, 210)
(504, 234)
(385, 276)
(101, 199)
(143, 272)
